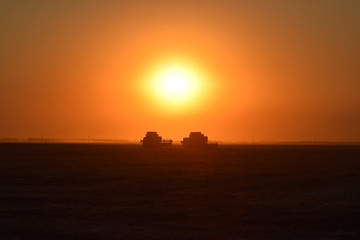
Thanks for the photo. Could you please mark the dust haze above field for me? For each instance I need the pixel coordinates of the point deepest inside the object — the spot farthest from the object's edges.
(235, 70)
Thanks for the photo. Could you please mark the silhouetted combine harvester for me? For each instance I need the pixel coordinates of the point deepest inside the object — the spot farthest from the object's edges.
(152, 139)
(197, 140)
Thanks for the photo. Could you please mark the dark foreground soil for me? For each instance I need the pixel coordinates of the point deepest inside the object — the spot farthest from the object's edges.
(94, 191)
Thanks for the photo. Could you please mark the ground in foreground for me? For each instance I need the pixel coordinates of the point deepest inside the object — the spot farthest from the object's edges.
(99, 191)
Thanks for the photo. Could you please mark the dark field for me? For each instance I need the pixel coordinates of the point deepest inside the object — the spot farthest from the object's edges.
(95, 191)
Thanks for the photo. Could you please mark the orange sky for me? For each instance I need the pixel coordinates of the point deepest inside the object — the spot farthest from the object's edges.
(279, 70)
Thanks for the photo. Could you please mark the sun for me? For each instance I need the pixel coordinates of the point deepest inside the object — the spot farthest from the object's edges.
(176, 84)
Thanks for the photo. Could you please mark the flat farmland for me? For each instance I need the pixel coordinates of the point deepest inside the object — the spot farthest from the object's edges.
(109, 191)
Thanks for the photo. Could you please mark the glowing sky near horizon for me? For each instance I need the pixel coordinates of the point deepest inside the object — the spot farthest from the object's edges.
(235, 70)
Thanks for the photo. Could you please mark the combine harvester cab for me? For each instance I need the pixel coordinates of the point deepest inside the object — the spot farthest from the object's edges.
(152, 139)
(197, 140)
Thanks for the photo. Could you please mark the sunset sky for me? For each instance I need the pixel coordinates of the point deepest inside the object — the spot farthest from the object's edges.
(238, 70)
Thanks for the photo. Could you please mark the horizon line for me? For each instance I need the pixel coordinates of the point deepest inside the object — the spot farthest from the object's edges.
(133, 141)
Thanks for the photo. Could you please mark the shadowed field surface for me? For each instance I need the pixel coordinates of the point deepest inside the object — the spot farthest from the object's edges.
(98, 191)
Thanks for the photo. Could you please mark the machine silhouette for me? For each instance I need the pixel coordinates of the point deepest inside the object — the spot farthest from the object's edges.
(197, 139)
(152, 139)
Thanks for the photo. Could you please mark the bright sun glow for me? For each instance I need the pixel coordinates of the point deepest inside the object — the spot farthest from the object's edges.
(176, 84)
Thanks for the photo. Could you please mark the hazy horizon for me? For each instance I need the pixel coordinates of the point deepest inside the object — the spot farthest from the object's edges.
(313, 142)
(269, 71)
